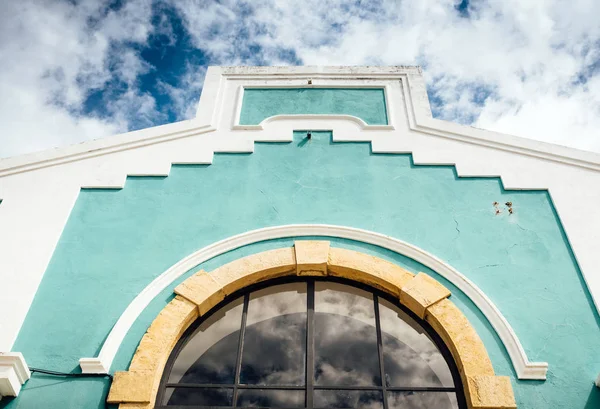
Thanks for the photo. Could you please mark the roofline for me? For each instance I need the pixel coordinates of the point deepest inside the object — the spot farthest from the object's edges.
(423, 122)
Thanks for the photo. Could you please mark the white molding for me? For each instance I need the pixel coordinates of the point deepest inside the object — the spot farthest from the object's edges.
(523, 367)
(92, 365)
(298, 117)
(9, 383)
(13, 373)
(598, 381)
(103, 146)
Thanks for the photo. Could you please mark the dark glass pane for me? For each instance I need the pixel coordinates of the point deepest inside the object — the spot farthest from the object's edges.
(210, 354)
(345, 337)
(422, 400)
(410, 357)
(198, 396)
(270, 398)
(275, 340)
(348, 399)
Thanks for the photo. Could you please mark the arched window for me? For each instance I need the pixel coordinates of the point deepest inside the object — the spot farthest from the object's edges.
(310, 343)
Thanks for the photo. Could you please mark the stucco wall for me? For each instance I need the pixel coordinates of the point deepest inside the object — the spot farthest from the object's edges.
(116, 242)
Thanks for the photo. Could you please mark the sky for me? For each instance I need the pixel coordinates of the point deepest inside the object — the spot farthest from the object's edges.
(75, 70)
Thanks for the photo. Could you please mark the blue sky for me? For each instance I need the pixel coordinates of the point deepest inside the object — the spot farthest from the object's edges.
(82, 69)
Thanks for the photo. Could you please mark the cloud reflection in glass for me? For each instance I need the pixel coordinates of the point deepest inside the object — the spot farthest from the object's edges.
(345, 336)
(274, 353)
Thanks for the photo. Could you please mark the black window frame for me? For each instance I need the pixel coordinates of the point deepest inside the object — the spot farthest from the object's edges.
(309, 386)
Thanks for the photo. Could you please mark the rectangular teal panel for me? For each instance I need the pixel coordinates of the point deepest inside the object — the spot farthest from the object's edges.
(367, 104)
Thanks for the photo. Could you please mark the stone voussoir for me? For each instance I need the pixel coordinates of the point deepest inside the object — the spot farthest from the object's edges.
(422, 292)
(164, 332)
(131, 387)
(136, 406)
(311, 257)
(490, 392)
(255, 268)
(466, 347)
(368, 269)
(176, 314)
(203, 290)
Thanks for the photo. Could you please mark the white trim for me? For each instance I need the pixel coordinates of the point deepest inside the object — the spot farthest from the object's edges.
(92, 365)
(9, 383)
(523, 368)
(239, 102)
(13, 373)
(295, 117)
(103, 146)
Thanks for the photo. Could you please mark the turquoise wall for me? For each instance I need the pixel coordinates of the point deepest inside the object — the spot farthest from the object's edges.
(117, 241)
(367, 104)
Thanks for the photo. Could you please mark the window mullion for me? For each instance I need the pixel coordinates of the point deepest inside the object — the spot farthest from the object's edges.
(380, 350)
(238, 364)
(310, 343)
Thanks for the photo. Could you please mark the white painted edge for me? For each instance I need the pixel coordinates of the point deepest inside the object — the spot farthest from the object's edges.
(495, 140)
(13, 373)
(9, 383)
(362, 124)
(312, 70)
(102, 146)
(523, 367)
(598, 381)
(92, 365)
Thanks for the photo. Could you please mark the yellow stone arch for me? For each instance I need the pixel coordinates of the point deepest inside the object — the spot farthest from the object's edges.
(137, 387)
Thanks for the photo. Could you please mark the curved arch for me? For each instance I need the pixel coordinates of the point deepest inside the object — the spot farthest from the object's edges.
(523, 367)
(137, 387)
(410, 360)
(359, 122)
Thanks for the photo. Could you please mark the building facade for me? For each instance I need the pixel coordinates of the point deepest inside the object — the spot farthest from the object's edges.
(313, 238)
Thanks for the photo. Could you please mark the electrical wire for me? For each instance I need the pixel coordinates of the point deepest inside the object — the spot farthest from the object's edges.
(71, 375)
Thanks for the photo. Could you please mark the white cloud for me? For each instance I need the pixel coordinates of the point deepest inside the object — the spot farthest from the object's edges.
(526, 55)
(513, 66)
(53, 55)
(185, 96)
